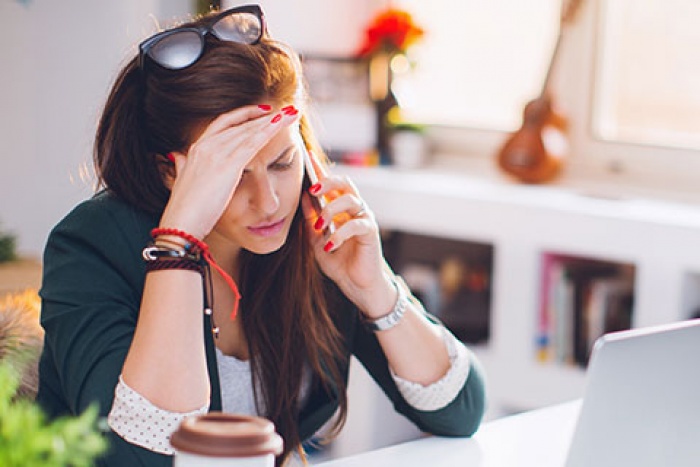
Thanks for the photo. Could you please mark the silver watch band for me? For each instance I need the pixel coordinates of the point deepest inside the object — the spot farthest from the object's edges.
(391, 319)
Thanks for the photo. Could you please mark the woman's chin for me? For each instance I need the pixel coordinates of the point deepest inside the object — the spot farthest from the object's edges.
(267, 247)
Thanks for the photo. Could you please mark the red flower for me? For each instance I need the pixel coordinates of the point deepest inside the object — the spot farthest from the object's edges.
(392, 30)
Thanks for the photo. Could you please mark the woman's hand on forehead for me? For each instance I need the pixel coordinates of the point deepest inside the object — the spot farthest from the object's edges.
(207, 176)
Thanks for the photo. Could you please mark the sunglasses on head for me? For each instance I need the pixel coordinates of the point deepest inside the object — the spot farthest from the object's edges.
(178, 48)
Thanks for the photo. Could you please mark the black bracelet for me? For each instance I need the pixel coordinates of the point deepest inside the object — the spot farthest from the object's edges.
(159, 258)
(185, 264)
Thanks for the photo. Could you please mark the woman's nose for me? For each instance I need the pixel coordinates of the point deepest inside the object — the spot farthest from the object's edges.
(264, 196)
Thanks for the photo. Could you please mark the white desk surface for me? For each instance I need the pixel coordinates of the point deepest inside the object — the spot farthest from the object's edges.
(539, 438)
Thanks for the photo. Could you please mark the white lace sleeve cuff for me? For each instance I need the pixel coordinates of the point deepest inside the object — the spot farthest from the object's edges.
(440, 393)
(138, 421)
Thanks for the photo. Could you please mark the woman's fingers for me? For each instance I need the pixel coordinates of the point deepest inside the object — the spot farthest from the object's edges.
(348, 211)
(341, 210)
(359, 229)
(332, 183)
(236, 117)
(243, 140)
(344, 201)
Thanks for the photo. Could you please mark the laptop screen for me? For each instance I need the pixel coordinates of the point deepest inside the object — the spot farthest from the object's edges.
(641, 405)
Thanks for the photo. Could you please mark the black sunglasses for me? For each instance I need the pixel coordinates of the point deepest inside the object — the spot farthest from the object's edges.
(178, 48)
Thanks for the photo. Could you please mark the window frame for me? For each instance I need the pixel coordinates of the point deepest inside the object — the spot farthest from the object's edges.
(627, 166)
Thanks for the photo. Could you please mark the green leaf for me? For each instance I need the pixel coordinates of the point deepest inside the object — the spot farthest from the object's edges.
(27, 438)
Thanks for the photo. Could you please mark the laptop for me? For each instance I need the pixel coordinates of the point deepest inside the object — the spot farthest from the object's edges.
(641, 405)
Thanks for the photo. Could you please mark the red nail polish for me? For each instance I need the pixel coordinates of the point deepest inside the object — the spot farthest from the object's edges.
(265, 107)
(319, 223)
(276, 118)
(291, 113)
(171, 157)
(287, 108)
(315, 188)
(328, 247)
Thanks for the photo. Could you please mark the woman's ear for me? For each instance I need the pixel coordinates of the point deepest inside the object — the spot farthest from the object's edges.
(167, 169)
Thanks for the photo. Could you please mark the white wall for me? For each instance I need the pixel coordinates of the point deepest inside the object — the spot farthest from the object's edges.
(322, 27)
(58, 59)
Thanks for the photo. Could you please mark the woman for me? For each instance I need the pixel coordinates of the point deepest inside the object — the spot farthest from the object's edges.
(205, 275)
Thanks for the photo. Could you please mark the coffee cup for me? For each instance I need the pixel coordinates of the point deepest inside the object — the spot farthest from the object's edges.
(220, 439)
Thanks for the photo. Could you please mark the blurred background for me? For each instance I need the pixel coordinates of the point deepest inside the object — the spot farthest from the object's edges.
(626, 78)
(527, 266)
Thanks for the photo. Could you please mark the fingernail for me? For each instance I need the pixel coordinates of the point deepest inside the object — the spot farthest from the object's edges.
(276, 118)
(315, 188)
(265, 107)
(287, 109)
(292, 112)
(171, 157)
(328, 247)
(319, 223)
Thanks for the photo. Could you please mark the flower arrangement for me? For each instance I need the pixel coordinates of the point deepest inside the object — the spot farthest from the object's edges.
(386, 39)
(392, 30)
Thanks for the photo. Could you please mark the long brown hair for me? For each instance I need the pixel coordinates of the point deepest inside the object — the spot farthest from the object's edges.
(284, 310)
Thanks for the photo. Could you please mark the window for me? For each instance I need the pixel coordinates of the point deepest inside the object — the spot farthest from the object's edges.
(479, 61)
(627, 78)
(647, 87)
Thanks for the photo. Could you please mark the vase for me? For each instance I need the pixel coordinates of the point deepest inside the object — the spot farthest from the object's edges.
(380, 81)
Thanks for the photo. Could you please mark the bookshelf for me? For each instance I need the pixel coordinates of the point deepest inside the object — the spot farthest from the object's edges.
(647, 248)
(448, 276)
(581, 298)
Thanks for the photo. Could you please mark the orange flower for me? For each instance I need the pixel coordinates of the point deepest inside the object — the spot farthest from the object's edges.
(392, 30)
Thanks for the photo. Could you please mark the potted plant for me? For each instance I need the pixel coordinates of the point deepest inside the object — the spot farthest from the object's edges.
(408, 142)
(8, 244)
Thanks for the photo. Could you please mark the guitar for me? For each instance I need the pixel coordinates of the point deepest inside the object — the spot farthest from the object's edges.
(535, 153)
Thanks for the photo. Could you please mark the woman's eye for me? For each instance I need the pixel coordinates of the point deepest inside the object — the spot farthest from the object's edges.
(282, 165)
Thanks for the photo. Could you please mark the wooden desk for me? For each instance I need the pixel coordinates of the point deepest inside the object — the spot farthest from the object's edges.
(17, 276)
(539, 438)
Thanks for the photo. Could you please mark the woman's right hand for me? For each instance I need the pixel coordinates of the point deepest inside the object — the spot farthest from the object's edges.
(206, 177)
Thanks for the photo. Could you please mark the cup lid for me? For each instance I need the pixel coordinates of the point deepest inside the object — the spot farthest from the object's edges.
(219, 434)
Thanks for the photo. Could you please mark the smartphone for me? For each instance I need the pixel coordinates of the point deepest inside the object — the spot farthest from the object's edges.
(312, 174)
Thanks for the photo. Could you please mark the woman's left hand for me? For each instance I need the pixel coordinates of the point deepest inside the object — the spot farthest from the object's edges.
(352, 255)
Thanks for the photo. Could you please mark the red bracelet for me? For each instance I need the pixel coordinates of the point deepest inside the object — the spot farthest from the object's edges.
(203, 249)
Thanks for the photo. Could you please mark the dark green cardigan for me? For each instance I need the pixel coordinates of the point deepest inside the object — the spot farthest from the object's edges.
(91, 293)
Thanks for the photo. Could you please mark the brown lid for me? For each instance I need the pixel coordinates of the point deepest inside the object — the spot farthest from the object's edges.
(219, 434)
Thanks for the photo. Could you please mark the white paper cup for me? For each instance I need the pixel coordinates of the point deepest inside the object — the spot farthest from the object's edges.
(218, 439)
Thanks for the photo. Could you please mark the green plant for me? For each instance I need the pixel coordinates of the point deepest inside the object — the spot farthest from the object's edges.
(28, 438)
(8, 244)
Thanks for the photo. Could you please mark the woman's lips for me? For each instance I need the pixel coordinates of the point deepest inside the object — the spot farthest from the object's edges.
(267, 229)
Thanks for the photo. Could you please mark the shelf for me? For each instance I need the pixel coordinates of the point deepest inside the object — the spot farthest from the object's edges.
(653, 242)
(452, 278)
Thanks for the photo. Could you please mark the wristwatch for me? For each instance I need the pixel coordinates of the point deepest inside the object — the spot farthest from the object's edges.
(391, 319)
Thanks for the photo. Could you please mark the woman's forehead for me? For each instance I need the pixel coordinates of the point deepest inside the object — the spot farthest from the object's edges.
(278, 144)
